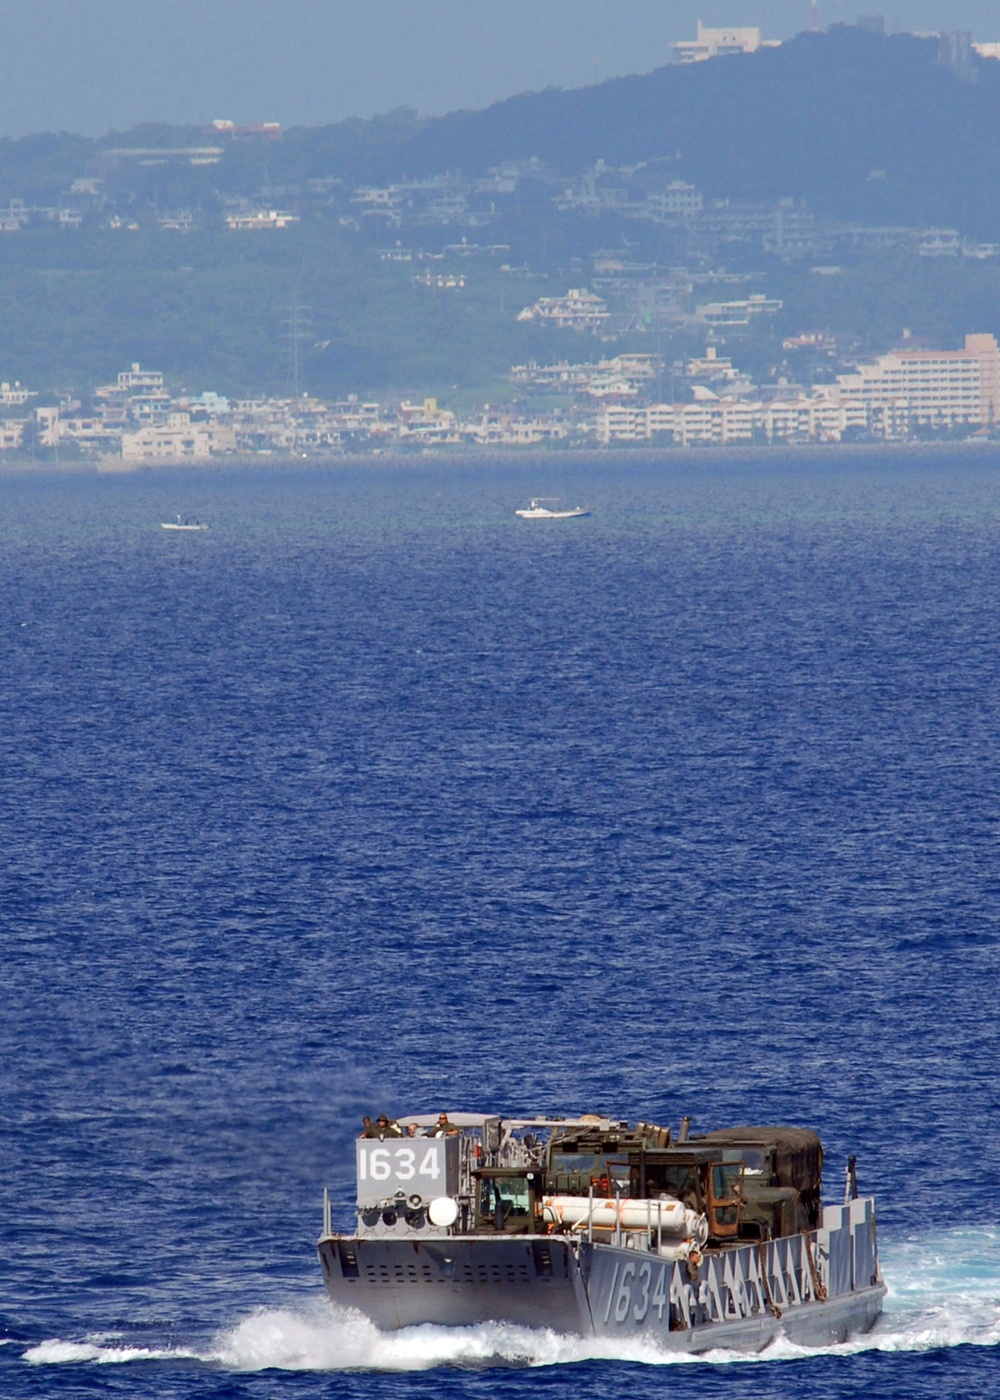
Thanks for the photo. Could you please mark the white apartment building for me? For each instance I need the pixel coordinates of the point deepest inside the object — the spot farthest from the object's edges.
(511, 431)
(262, 218)
(714, 421)
(137, 393)
(91, 433)
(939, 243)
(932, 388)
(14, 395)
(135, 381)
(11, 433)
(628, 422)
(706, 421)
(632, 369)
(822, 416)
(578, 310)
(678, 200)
(716, 43)
(739, 313)
(178, 439)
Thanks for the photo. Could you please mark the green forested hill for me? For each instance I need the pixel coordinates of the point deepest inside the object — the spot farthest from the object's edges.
(816, 118)
(864, 128)
(861, 125)
(214, 309)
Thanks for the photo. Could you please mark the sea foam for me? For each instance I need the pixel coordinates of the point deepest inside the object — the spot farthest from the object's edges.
(56, 1353)
(944, 1291)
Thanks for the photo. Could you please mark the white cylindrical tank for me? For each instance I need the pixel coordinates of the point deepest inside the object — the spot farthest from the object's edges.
(679, 1249)
(668, 1217)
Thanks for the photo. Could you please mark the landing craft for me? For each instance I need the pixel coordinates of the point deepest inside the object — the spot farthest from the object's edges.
(593, 1227)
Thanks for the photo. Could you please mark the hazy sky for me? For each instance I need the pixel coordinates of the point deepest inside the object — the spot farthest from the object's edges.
(91, 66)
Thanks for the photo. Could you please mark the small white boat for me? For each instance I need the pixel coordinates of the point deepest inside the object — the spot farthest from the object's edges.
(182, 524)
(545, 508)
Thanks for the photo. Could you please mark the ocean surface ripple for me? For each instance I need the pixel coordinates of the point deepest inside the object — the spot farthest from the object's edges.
(375, 796)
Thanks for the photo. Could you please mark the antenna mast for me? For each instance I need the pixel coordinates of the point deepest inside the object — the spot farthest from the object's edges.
(295, 323)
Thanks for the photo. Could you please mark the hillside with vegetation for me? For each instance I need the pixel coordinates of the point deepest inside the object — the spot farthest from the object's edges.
(862, 125)
(411, 245)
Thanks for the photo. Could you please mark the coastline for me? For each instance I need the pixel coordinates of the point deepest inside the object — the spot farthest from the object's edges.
(494, 458)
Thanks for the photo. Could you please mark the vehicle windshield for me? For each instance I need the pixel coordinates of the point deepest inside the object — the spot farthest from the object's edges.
(725, 1204)
(509, 1194)
(725, 1180)
(574, 1162)
(679, 1181)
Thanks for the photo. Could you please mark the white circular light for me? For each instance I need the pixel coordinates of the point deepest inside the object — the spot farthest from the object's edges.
(443, 1211)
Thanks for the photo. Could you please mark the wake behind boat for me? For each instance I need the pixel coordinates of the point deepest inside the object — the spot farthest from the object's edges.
(182, 523)
(545, 508)
(592, 1227)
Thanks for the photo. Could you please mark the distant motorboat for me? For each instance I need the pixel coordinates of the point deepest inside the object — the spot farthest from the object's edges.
(182, 523)
(546, 508)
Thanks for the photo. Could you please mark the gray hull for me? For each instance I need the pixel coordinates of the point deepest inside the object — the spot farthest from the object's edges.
(740, 1299)
(815, 1289)
(457, 1282)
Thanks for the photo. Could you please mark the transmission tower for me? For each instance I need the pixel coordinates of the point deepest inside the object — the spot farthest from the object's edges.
(296, 325)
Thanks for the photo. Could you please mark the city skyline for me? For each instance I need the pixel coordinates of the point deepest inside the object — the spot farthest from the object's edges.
(93, 66)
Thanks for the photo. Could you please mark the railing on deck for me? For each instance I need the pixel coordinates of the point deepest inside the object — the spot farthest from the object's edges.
(784, 1273)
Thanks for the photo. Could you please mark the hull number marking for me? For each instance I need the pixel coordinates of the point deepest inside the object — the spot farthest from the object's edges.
(382, 1162)
(635, 1291)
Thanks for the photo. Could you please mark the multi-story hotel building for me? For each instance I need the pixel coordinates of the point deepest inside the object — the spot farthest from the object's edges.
(937, 388)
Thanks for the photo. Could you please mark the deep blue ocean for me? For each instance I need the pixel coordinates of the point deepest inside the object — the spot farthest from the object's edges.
(375, 797)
